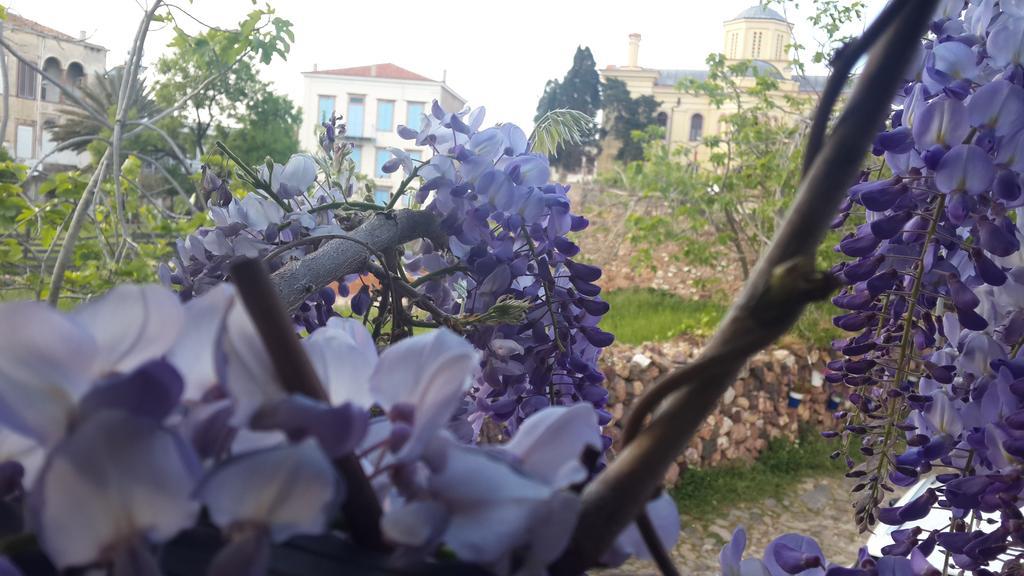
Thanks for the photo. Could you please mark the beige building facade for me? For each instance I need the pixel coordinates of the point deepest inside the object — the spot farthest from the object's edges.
(758, 35)
(36, 104)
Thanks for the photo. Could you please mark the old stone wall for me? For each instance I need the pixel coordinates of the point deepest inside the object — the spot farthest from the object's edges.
(753, 410)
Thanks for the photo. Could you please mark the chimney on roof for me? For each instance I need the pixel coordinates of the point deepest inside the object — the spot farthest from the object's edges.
(634, 50)
(444, 76)
(373, 70)
(81, 35)
(315, 67)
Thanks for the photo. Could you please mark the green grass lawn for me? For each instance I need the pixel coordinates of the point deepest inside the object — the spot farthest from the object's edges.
(646, 315)
(639, 315)
(701, 494)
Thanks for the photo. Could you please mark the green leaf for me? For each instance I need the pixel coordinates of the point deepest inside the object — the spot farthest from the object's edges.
(559, 128)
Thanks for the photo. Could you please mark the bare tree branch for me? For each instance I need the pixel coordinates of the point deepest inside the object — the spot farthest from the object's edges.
(67, 248)
(179, 156)
(774, 297)
(170, 179)
(126, 95)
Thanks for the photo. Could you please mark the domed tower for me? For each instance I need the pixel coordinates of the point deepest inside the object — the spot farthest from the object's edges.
(759, 33)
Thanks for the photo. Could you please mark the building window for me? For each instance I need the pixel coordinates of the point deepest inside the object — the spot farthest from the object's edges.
(325, 107)
(357, 158)
(385, 115)
(48, 92)
(356, 105)
(756, 52)
(414, 115)
(416, 156)
(46, 143)
(75, 76)
(24, 142)
(696, 127)
(780, 46)
(382, 196)
(26, 81)
(733, 44)
(382, 156)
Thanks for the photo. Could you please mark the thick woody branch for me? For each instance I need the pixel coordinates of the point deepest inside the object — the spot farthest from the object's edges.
(298, 279)
(772, 300)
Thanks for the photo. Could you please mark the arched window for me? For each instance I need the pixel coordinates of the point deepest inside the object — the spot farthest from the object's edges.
(696, 127)
(51, 93)
(75, 76)
(756, 52)
(662, 119)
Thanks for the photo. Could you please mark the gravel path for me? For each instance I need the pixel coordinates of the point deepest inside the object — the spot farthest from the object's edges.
(817, 507)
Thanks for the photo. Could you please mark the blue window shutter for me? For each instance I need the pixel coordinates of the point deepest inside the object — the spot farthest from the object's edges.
(382, 156)
(414, 116)
(326, 108)
(354, 121)
(385, 115)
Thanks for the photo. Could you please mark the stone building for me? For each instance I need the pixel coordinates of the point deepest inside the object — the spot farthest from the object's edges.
(373, 100)
(36, 104)
(759, 35)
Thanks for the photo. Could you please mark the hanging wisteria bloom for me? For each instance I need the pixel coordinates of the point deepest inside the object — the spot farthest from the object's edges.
(935, 305)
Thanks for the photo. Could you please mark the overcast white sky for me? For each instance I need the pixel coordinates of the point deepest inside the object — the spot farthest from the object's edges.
(497, 54)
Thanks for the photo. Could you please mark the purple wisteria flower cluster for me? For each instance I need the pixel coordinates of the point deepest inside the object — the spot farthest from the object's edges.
(934, 303)
(795, 554)
(135, 417)
(282, 216)
(506, 227)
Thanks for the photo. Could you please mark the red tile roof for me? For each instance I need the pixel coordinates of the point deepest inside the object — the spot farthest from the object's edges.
(386, 70)
(20, 22)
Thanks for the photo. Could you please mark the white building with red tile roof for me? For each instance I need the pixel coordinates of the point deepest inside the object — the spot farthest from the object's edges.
(373, 100)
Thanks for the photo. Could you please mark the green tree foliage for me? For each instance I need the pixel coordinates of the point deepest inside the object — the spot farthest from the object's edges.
(32, 234)
(754, 165)
(269, 128)
(237, 95)
(626, 119)
(216, 74)
(580, 90)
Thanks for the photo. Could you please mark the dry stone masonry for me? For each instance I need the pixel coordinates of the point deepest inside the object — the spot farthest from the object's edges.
(754, 410)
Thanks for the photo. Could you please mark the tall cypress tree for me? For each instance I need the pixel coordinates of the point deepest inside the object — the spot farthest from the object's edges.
(624, 115)
(580, 90)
